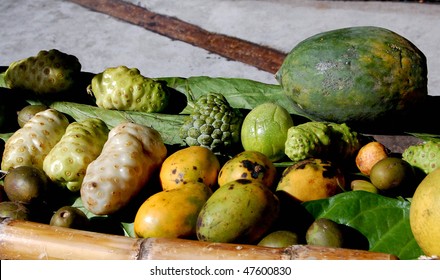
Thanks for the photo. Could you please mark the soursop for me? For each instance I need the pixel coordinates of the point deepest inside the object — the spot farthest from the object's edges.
(48, 72)
(425, 156)
(123, 88)
(213, 123)
(82, 143)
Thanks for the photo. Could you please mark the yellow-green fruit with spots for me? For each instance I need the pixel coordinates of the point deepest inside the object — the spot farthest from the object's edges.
(190, 164)
(241, 211)
(30, 144)
(424, 214)
(311, 179)
(172, 213)
(67, 162)
(264, 130)
(123, 88)
(249, 165)
(49, 72)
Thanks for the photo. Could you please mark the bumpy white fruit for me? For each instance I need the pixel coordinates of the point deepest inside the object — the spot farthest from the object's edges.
(128, 159)
(82, 143)
(30, 144)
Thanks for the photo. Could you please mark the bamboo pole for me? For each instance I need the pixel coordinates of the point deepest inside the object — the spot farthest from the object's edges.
(29, 240)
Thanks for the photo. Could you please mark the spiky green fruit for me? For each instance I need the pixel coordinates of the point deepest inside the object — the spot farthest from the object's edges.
(130, 156)
(322, 140)
(123, 88)
(213, 123)
(82, 143)
(48, 72)
(30, 144)
(425, 156)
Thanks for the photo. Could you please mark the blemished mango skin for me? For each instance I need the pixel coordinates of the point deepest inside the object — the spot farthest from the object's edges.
(248, 165)
(241, 211)
(311, 179)
(190, 164)
(172, 213)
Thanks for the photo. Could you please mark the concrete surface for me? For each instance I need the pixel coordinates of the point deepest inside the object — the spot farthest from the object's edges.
(101, 41)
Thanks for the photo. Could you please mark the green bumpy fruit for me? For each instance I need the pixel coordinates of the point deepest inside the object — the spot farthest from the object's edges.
(30, 144)
(48, 72)
(123, 88)
(425, 156)
(355, 75)
(213, 123)
(67, 162)
(321, 140)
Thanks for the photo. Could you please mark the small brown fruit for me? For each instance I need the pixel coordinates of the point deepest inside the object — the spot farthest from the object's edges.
(369, 155)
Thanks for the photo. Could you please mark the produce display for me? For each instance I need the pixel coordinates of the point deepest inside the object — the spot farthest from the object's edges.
(228, 160)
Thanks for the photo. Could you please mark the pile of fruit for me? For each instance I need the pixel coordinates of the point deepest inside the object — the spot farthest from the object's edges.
(224, 159)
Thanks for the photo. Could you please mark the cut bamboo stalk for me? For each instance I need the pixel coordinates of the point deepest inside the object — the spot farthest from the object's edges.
(25, 240)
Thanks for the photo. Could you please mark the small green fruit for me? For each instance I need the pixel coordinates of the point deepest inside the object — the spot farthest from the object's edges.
(70, 217)
(264, 130)
(363, 185)
(324, 232)
(26, 184)
(392, 174)
(279, 239)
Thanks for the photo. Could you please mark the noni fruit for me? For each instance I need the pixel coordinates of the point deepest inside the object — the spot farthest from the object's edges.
(82, 143)
(321, 139)
(46, 73)
(130, 156)
(124, 88)
(425, 156)
(30, 144)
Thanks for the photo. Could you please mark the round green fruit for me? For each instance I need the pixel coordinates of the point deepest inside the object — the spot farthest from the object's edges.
(324, 232)
(393, 174)
(356, 75)
(264, 130)
(279, 239)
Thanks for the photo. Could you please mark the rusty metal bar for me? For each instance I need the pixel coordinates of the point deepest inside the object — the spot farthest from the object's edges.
(261, 57)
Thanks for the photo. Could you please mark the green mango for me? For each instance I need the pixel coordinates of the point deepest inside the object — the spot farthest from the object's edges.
(240, 211)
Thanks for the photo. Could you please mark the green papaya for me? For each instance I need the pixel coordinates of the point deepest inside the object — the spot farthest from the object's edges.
(355, 75)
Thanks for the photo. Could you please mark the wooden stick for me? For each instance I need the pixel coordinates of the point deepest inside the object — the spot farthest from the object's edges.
(25, 240)
(262, 57)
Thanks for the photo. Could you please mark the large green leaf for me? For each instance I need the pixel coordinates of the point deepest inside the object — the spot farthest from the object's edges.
(382, 220)
(167, 125)
(240, 93)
